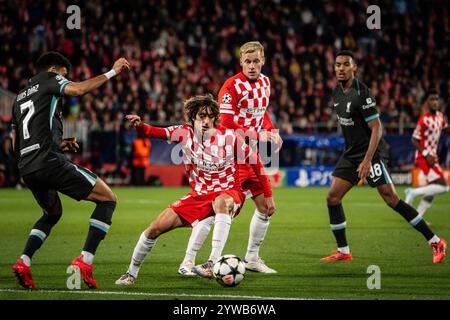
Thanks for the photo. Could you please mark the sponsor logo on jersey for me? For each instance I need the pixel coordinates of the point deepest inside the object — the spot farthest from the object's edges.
(346, 121)
(257, 111)
(208, 166)
(370, 104)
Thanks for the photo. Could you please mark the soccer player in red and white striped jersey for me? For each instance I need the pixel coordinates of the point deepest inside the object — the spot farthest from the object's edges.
(243, 100)
(211, 154)
(426, 139)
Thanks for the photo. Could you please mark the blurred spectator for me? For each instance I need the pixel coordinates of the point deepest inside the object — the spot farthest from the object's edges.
(140, 160)
(180, 48)
(8, 165)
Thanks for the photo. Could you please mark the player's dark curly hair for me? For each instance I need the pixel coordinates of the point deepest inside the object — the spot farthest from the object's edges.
(429, 92)
(197, 103)
(52, 59)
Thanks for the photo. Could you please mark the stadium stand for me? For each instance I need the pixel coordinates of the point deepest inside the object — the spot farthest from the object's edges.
(180, 48)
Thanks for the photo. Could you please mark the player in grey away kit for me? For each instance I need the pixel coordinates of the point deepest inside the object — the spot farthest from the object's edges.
(37, 136)
(364, 157)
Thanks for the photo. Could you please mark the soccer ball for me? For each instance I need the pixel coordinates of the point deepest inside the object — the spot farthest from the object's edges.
(229, 270)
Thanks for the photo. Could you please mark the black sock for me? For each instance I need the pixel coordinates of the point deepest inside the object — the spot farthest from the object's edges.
(99, 225)
(338, 224)
(34, 242)
(41, 230)
(412, 216)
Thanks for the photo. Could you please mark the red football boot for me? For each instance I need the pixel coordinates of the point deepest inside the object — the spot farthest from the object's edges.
(438, 250)
(23, 274)
(336, 256)
(86, 272)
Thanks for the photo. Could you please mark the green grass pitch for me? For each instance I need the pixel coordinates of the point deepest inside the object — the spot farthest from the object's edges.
(299, 235)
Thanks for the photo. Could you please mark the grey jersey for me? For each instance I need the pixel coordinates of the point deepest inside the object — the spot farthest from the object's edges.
(355, 109)
(38, 124)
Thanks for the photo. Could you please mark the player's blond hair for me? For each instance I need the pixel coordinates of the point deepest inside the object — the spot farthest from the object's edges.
(250, 47)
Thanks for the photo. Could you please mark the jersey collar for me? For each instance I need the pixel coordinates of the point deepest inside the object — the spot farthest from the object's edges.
(355, 85)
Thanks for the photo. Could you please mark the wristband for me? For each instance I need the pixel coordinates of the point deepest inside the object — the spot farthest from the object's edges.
(111, 73)
(425, 153)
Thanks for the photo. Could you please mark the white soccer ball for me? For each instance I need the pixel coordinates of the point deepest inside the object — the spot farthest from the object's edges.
(229, 270)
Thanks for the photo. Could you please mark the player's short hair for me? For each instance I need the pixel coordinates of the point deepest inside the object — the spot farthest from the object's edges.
(250, 47)
(52, 59)
(197, 103)
(429, 92)
(345, 53)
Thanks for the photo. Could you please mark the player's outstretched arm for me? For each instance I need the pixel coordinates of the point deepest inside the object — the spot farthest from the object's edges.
(146, 129)
(80, 88)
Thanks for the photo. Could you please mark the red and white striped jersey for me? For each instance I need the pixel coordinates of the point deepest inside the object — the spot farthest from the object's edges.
(246, 100)
(211, 162)
(428, 131)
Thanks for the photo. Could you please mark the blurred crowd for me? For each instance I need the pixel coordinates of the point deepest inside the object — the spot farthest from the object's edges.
(180, 48)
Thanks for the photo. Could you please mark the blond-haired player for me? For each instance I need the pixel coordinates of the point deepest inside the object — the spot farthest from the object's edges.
(243, 100)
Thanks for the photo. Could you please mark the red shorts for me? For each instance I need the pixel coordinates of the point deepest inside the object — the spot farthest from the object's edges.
(249, 181)
(194, 207)
(432, 173)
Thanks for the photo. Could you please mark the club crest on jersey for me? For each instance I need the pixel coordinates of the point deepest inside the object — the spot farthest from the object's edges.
(348, 107)
(226, 98)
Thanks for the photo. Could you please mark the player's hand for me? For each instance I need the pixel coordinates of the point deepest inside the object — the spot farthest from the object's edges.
(270, 204)
(265, 136)
(135, 120)
(276, 139)
(364, 169)
(120, 65)
(431, 159)
(70, 145)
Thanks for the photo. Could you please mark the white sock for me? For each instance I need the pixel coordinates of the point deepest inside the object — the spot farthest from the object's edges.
(345, 249)
(222, 225)
(198, 236)
(429, 190)
(423, 206)
(435, 239)
(143, 247)
(26, 259)
(87, 257)
(258, 229)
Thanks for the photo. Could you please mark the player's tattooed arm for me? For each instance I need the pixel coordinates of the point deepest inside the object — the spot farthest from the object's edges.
(377, 131)
(80, 88)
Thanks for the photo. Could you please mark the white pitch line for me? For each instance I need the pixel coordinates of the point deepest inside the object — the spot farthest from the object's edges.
(152, 294)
